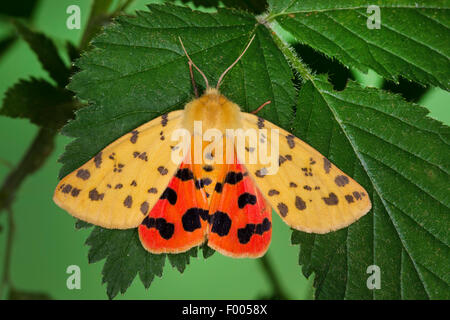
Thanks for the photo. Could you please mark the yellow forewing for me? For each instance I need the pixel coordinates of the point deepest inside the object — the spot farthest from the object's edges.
(118, 187)
(308, 192)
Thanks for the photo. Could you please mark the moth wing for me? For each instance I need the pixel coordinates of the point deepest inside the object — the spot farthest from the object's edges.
(117, 187)
(308, 192)
(240, 218)
(179, 219)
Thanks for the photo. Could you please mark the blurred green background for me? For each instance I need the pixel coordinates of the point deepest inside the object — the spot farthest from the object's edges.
(46, 242)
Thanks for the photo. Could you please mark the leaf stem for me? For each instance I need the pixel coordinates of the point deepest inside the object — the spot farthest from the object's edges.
(295, 61)
(277, 290)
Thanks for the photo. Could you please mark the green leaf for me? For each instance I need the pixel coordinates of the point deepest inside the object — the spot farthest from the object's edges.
(80, 224)
(207, 251)
(180, 261)
(412, 41)
(137, 71)
(125, 258)
(401, 157)
(41, 102)
(46, 52)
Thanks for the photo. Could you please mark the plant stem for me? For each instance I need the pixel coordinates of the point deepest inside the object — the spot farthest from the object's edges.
(42, 145)
(292, 57)
(6, 278)
(277, 290)
(34, 158)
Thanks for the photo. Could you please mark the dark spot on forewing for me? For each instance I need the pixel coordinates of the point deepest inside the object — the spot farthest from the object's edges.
(341, 180)
(326, 165)
(283, 209)
(290, 141)
(357, 195)
(162, 170)
(349, 198)
(145, 207)
(134, 136)
(75, 192)
(261, 173)
(152, 190)
(94, 195)
(66, 189)
(83, 174)
(128, 202)
(143, 156)
(260, 123)
(98, 160)
(331, 200)
(164, 120)
(299, 203)
(273, 192)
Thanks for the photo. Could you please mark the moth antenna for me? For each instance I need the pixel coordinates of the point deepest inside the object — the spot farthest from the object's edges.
(232, 65)
(261, 106)
(192, 62)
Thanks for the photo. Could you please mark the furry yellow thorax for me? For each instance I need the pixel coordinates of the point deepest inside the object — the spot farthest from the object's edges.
(214, 111)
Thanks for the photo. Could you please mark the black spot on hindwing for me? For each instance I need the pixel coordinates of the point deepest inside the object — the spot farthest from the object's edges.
(191, 219)
(246, 198)
(184, 174)
(246, 233)
(233, 177)
(170, 195)
(166, 229)
(218, 188)
(220, 223)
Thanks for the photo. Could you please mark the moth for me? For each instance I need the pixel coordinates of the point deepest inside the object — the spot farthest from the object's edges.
(176, 205)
